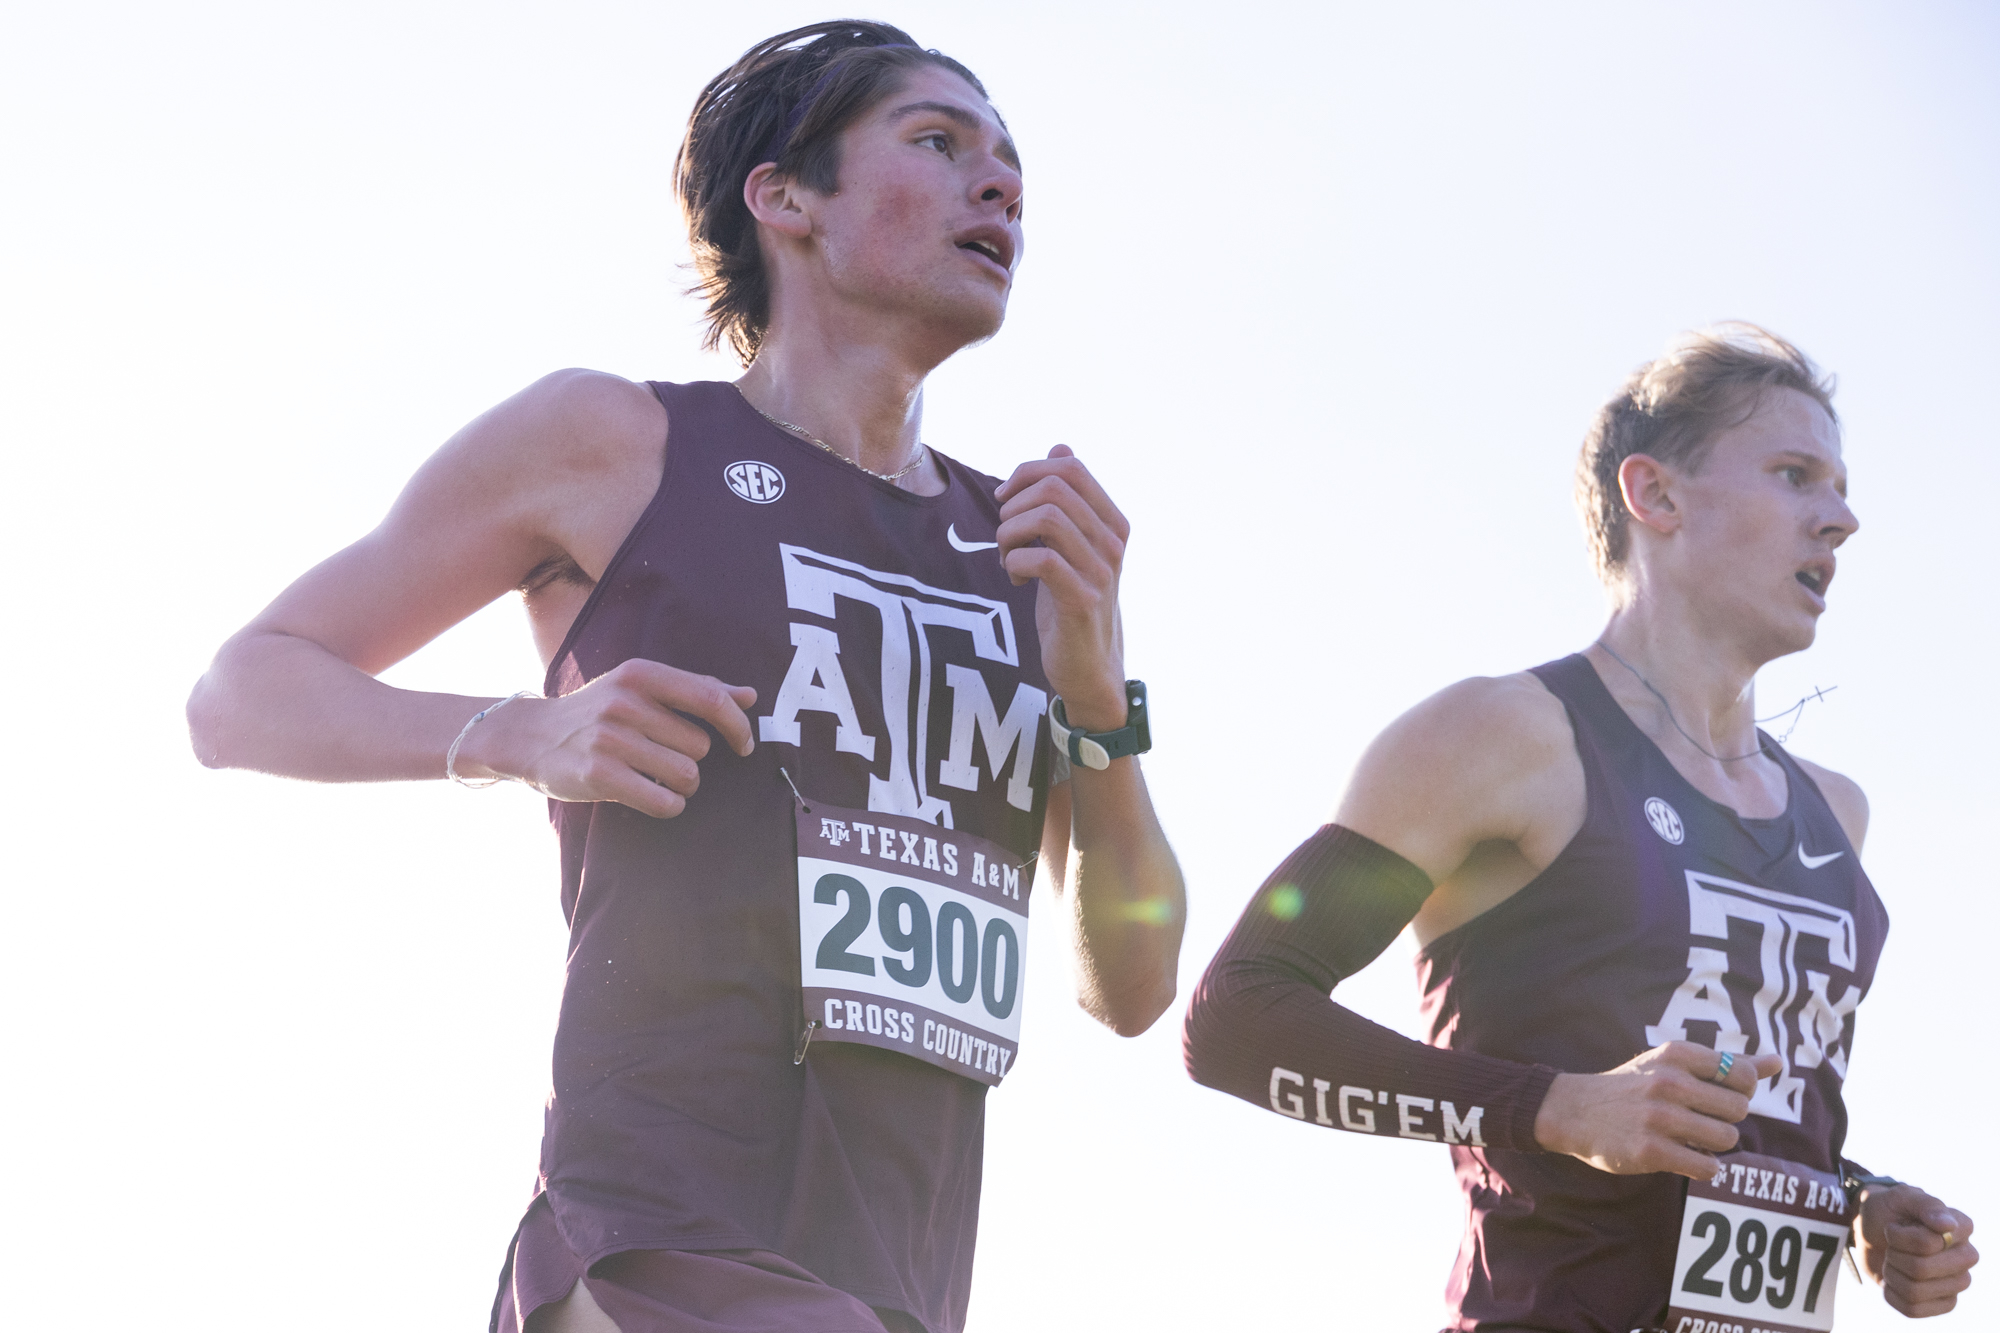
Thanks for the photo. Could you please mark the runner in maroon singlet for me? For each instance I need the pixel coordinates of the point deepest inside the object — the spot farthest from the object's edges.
(1608, 867)
(796, 957)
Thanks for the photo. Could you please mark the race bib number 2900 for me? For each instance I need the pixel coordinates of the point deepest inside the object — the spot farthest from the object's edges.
(913, 938)
(1760, 1249)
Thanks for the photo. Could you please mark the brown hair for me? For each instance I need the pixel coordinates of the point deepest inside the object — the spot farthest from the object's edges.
(785, 101)
(1672, 409)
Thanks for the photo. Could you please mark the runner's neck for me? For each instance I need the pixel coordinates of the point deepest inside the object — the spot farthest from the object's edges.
(863, 399)
(1703, 718)
(1710, 688)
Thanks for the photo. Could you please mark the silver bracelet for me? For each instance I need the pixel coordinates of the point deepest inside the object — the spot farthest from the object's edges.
(451, 755)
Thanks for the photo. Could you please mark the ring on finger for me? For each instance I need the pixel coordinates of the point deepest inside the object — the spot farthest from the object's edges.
(1724, 1063)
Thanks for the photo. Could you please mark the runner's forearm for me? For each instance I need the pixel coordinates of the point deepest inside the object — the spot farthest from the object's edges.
(1262, 1026)
(1127, 903)
(281, 704)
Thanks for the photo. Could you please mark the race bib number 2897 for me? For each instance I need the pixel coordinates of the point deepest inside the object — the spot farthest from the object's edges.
(912, 937)
(1760, 1249)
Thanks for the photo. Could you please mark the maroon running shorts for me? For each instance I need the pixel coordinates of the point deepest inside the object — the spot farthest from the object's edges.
(680, 1291)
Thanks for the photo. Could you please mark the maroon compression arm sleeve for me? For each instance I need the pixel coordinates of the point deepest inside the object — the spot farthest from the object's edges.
(1262, 1026)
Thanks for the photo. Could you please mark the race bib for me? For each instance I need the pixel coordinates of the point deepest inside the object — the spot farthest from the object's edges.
(1760, 1249)
(912, 938)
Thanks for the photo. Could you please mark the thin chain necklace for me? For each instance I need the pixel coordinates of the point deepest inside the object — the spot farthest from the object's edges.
(1720, 759)
(923, 450)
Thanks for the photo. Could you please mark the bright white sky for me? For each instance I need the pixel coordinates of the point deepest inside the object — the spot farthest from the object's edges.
(1325, 293)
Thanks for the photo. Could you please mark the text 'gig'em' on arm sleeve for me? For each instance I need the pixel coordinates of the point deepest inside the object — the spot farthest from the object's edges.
(1263, 1026)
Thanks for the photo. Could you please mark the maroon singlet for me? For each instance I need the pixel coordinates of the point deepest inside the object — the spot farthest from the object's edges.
(1667, 917)
(896, 670)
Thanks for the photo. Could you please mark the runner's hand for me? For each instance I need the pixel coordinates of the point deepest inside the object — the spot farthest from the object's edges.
(1658, 1111)
(1900, 1242)
(620, 738)
(1058, 526)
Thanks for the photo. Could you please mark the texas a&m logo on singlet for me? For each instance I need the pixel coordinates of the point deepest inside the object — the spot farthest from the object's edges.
(1793, 1013)
(911, 613)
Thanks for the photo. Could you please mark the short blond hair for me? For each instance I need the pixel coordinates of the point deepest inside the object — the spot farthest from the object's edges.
(1672, 408)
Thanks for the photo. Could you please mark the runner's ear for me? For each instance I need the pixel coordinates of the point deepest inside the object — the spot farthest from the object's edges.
(777, 202)
(1646, 486)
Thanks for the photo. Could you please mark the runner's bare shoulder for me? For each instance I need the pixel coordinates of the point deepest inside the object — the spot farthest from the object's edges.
(1490, 757)
(570, 428)
(1482, 730)
(590, 421)
(1844, 794)
(563, 468)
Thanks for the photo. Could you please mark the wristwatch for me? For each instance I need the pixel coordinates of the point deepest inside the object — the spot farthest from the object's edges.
(1096, 749)
(1854, 1179)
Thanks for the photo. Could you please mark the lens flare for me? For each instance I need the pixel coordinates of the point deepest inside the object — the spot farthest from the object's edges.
(1148, 912)
(1285, 902)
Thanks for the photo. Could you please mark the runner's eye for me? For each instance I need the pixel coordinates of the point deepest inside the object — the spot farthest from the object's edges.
(939, 141)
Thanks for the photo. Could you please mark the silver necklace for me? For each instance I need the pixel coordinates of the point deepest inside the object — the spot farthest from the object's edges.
(1720, 759)
(923, 450)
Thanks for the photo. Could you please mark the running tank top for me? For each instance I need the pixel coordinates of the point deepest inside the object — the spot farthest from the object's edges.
(1667, 917)
(886, 644)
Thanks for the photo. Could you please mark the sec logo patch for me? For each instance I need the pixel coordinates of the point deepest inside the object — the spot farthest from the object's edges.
(759, 483)
(1666, 820)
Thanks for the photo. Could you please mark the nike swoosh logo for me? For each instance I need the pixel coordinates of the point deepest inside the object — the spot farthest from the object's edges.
(1815, 862)
(959, 544)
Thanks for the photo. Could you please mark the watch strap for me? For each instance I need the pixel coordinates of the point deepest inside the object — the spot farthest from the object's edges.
(1854, 1179)
(1096, 749)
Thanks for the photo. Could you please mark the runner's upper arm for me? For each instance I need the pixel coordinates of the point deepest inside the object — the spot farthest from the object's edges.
(520, 484)
(1844, 794)
(1485, 759)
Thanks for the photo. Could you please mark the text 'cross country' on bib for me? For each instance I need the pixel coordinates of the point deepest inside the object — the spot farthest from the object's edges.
(1760, 1249)
(912, 938)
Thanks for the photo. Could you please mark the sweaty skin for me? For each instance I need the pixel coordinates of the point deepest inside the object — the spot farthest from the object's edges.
(1481, 786)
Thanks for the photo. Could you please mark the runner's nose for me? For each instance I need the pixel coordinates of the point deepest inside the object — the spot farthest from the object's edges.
(1001, 185)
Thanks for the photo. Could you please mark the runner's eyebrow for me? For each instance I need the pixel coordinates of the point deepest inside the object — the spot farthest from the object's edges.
(1820, 461)
(964, 119)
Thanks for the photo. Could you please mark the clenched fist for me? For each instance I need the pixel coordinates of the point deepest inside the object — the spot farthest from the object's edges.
(624, 737)
(1660, 1111)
